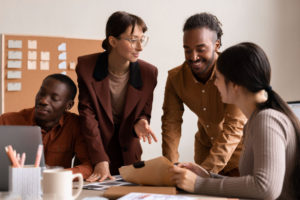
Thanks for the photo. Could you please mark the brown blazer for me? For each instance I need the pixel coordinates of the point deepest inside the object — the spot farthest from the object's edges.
(96, 111)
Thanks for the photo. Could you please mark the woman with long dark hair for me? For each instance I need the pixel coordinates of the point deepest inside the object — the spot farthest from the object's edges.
(269, 165)
(115, 96)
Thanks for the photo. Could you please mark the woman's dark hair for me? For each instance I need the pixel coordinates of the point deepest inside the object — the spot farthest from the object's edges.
(205, 20)
(247, 65)
(67, 81)
(117, 24)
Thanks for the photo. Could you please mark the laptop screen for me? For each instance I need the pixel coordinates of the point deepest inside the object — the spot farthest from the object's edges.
(23, 139)
(295, 106)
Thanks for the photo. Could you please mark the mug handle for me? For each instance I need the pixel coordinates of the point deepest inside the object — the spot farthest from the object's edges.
(80, 185)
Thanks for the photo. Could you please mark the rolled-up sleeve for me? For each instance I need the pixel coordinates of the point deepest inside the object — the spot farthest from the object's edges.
(227, 140)
(171, 122)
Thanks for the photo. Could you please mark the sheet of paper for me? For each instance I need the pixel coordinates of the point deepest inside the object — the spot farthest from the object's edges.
(14, 74)
(14, 64)
(62, 47)
(62, 65)
(106, 184)
(14, 44)
(31, 65)
(14, 86)
(32, 44)
(44, 65)
(62, 56)
(72, 65)
(32, 55)
(15, 55)
(45, 55)
(149, 196)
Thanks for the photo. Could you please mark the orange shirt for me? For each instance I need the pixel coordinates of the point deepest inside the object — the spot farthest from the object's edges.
(61, 143)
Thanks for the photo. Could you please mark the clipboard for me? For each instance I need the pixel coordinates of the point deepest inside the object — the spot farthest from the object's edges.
(151, 172)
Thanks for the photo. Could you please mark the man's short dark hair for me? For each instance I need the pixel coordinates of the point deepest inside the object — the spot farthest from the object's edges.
(66, 80)
(206, 20)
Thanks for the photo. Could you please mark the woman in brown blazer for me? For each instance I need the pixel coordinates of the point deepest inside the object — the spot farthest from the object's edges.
(115, 96)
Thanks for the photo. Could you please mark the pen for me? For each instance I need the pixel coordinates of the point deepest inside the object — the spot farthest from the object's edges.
(38, 156)
(23, 159)
(18, 158)
(10, 153)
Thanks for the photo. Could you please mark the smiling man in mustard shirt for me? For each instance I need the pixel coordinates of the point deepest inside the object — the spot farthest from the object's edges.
(218, 139)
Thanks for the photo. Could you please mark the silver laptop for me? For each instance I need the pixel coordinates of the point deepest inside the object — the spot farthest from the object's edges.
(23, 139)
(295, 106)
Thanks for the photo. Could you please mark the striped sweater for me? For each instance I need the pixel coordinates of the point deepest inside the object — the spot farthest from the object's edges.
(266, 164)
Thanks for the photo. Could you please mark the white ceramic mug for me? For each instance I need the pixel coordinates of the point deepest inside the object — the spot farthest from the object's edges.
(58, 184)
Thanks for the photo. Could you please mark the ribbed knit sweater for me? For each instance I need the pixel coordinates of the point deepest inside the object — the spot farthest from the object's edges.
(266, 164)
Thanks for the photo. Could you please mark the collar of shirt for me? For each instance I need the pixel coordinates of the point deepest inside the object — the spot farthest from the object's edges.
(101, 71)
(211, 78)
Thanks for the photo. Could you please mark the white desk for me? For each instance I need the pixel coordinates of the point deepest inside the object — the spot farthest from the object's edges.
(89, 193)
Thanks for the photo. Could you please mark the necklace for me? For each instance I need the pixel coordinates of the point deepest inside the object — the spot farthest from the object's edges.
(118, 73)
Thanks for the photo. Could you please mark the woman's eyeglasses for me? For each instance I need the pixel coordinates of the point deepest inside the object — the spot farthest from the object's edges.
(137, 41)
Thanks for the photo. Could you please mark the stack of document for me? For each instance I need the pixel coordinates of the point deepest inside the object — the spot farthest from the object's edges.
(106, 184)
(149, 196)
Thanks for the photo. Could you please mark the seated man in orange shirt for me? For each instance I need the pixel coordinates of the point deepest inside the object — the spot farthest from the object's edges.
(60, 128)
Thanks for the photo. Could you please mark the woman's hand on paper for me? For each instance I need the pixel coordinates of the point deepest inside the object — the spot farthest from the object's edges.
(144, 131)
(101, 172)
(183, 178)
(197, 169)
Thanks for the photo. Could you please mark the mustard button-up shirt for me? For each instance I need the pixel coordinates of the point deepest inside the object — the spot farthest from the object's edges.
(218, 139)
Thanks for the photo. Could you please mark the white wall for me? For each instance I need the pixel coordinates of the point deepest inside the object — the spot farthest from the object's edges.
(273, 24)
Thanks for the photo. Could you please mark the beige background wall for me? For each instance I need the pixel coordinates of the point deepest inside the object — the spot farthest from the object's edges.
(273, 24)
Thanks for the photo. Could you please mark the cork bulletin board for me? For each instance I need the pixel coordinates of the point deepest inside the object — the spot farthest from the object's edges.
(27, 60)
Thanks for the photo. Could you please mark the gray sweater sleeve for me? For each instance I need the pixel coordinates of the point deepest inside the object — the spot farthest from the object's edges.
(213, 175)
(267, 143)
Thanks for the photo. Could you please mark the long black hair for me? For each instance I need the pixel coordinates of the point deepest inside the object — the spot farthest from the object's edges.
(117, 24)
(247, 65)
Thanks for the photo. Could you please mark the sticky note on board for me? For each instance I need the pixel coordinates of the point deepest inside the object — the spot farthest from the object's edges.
(72, 65)
(44, 65)
(15, 55)
(14, 74)
(45, 55)
(62, 65)
(14, 86)
(14, 44)
(32, 55)
(32, 44)
(31, 65)
(62, 56)
(14, 64)
(62, 47)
